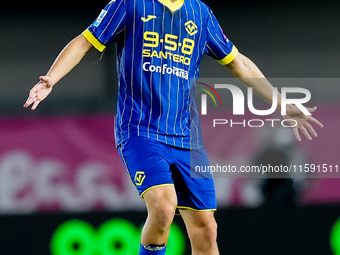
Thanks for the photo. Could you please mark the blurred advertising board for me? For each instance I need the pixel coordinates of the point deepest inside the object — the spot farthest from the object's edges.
(71, 164)
(271, 231)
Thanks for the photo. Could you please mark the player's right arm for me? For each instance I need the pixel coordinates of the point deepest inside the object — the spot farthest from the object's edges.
(99, 34)
(69, 57)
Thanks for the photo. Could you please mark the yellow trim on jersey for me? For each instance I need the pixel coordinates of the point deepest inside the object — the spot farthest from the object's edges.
(173, 6)
(93, 40)
(232, 55)
(161, 185)
(125, 164)
(196, 210)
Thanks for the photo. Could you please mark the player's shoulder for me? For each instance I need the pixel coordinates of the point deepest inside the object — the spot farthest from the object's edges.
(204, 8)
(120, 2)
(115, 4)
(203, 5)
(127, 5)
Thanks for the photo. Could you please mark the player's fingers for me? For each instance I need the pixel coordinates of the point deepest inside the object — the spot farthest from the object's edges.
(315, 121)
(311, 110)
(29, 101)
(43, 78)
(305, 132)
(311, 129)
(31, 96)
(296, 134)
(34, 90)
(35, 105)
(46, 81)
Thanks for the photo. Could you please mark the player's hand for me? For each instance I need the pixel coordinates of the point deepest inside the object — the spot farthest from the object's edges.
(39, 92)
(303, 122)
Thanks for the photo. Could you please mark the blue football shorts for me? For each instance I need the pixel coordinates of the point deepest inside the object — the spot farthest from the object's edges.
(153, 164)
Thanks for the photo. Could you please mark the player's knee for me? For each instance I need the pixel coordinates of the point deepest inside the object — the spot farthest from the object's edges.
(210, 230)
(206, 229)
(161, 204)
(164, 214)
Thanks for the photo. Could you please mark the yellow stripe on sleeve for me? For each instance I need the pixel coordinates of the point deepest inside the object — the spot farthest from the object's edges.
(93, 40)
(232, 55)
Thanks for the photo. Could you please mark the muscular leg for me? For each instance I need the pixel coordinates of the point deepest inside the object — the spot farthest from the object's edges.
(161, 204)
(202, 231)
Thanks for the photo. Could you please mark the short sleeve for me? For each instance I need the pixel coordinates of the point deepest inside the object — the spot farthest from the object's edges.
(219, 46)
(107, 26)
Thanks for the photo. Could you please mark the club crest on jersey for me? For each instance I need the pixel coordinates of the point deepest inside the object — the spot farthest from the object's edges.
(139, 178)
(191, 28)
(100, 18)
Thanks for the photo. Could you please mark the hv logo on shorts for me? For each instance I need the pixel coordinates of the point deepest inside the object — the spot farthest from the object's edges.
(191, 28)
(139, 178)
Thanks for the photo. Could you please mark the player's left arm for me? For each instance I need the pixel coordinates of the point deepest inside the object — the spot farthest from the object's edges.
(244, 69)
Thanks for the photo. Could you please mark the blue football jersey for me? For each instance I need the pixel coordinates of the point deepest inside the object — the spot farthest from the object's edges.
(160, 46)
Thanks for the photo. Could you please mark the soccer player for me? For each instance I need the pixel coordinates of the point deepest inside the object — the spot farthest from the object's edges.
(160, 44)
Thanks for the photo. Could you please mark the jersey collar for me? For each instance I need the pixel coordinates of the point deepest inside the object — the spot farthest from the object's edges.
(172, 6)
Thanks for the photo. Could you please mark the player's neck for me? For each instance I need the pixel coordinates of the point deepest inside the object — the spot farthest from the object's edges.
(172, 1)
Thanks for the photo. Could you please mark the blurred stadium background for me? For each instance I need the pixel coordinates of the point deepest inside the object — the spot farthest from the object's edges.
(63, 188)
